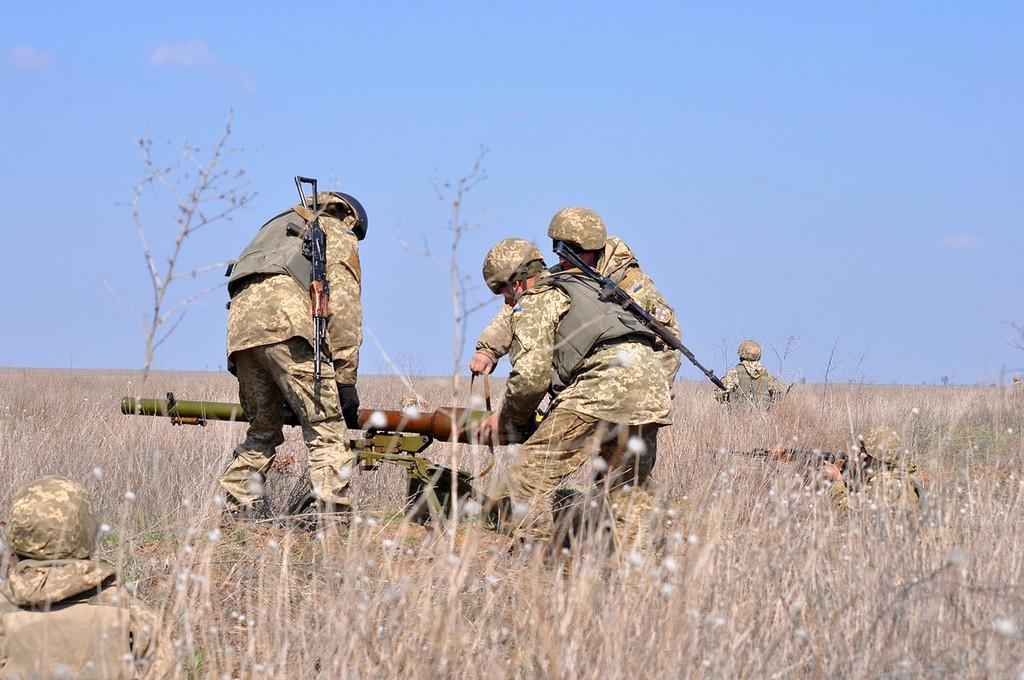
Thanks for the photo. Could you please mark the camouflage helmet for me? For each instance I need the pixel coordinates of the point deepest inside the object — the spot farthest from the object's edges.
(749, 350)
(882, 444)
(341, 205)
(52, 519)
(581, 227)
(509, 260)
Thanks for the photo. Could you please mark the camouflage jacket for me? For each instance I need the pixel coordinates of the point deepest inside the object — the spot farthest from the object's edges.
(622, 382)
(893, 488)
(757, 390)
(617, 263)
(274, 308)
(65, 618)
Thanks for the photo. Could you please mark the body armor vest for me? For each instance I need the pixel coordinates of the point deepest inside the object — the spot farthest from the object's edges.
(756, 390)
(590, 322)
(277, 248)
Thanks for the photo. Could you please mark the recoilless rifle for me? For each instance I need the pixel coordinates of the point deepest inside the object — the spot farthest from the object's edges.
(392, 437)
(611, 292)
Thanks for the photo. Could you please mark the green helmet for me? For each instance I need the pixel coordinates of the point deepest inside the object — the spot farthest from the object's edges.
(882, 444)
(341, 205)
(749, 351)
(52, 519)
(511, 259)
(581, 227)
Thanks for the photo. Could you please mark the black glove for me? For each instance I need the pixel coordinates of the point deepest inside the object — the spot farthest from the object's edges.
(349, 405)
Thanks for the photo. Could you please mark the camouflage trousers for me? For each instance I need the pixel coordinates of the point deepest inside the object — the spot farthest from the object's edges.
(269, 377)
(623, 459)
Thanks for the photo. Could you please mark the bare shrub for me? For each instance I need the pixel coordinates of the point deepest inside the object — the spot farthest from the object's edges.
(203, 189)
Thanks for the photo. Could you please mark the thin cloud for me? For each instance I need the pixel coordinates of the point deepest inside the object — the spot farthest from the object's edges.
(29, 60)
(961, 242)
(188, 54)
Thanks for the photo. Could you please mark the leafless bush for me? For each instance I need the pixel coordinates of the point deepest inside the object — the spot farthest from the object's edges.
(204, 189)
(462, 285)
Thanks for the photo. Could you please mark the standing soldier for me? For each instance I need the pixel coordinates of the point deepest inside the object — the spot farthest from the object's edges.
(604, 373)
(270, 349)
(584, 229)
(882, 473)
(62, 614)
(749, 382)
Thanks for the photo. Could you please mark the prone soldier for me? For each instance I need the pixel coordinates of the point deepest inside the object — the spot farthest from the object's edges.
(882, 472)
(62, 613)
(749, 382)
(584, 229)
(604, 372)
(270, 345)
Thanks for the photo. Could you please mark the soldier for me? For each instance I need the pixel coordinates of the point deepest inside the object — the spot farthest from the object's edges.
(749, 381)
(605, 376)
(62, 615)
(270, 350)
(882, 473)
(584, 229)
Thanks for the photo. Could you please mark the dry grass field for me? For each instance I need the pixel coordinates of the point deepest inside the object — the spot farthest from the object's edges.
(754, 575)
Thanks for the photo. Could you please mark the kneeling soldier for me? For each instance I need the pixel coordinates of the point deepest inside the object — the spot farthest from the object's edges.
(62, 615)
(607, 384)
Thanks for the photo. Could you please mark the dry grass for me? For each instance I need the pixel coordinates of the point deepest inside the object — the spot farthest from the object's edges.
(755, 578)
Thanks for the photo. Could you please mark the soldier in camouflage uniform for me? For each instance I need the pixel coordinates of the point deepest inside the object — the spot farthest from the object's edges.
(605, 376)
(62, 615)
(882, 474)
(270, 349)
(749, 382)
(585, 229)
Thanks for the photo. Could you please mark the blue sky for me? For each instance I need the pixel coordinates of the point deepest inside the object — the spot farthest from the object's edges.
(845, 173)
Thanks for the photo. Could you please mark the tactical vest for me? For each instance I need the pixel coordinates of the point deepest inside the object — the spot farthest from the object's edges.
(590, 322)
(756, 390)
(277, 248)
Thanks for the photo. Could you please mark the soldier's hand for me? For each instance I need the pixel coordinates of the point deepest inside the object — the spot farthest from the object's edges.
(489, 429)
(831, 472)
(349, 405)
(481, 363)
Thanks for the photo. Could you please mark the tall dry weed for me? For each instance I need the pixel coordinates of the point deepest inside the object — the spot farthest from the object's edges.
(752, 574)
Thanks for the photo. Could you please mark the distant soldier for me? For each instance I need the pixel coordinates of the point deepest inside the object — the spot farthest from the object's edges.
(882, 474)
(584, 229)
(62, 614)
(604, 373)
(270, 349)
(749, 382)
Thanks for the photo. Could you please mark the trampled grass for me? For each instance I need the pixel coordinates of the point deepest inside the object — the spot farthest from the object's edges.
(753, 575)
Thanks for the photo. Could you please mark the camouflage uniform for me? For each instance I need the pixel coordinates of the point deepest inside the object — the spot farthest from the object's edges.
(610, 409)
(749, 381)
(270, 350)
(889, 484)
(617, 263)
(62, 614)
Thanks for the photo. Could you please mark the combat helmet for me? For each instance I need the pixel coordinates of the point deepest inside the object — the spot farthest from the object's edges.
(749, 350)
(52, 519)
(580, 227)
(882, 444)
(341, 205)
(511, 259)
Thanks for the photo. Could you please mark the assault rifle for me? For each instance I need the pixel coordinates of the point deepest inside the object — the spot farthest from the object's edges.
(392, 437)
(611, 292)
(804, 457)
(319, 287)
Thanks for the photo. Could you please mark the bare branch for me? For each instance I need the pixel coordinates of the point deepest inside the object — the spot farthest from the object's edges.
(203, 191)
